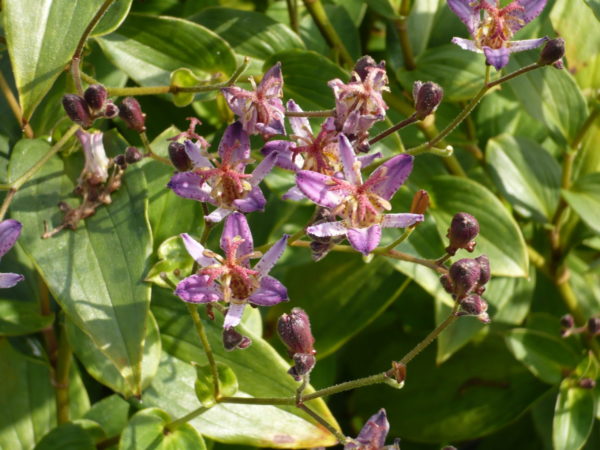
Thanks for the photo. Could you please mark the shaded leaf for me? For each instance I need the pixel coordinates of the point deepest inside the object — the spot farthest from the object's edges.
(204, 385)
(114, 16)
(573, 417)
(20, 317)
(67, 436)
(584, 198)
(111, 413)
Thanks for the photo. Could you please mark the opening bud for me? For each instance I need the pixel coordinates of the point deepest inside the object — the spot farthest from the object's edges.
(131, 113)
(373, 433)
(474, 305)
(133, 155)
(485, 275)
(77, 109)
(179, 157)
(463, 229)
(420, 202)
(447, 284)
(361, 68)
(552, 52)
(303, 364)
(111, 110)
(96, 96)
(294, 331)
(593, 326)
(567, 321)
(465, 275)
(232, 340)
(427, 97)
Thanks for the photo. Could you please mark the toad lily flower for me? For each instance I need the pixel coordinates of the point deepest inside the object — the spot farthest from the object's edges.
(9, 233)
(360, 205)
(261, 110)
(96, 162)
(230, 278)
(224, 184)
(493, 32)
(373, 434)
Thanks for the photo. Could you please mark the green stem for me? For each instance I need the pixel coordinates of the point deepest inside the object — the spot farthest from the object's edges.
(402, 29)
(401, 239)
(338, 435)
(394, 128)
(259, 400)
(185, 419)
(292, 7)
(316, 10)
(14, 106)
(150, 153)
(348, 385)
(193, 310)
(6, 203)
(61, 378)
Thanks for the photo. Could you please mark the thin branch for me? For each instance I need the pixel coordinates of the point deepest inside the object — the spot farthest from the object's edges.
(14, 106)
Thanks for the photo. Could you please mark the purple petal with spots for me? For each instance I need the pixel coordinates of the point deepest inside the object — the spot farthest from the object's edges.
(397, 170)
(269, 259)
(294, 194)
(217, 215)
(348, 159)
(236, 99)
(253, 201)
(374, 432)
(8, 280)
(272, 82)
(196, 289)
(10, 230)
(401, 220)
(237, 225)
(300, 125)
(234, 147)
(190, 185)
(497, 57)
(196, 250)
(465, 10)
(284, 154)
(193, 152)
(531, 9)
(270, 292)
(367, 160)
(467, 44)
(327, 229)
(263, 168)
(364, 239)
(317, 187)
(526, 44)
(234, 315)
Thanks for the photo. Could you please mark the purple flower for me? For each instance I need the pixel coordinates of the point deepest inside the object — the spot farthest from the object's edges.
(224, 184)
(373, 434)
(261, 110)
(359, 204)
(493, 32)
(230, 278)
(9, 233)
(96, 162)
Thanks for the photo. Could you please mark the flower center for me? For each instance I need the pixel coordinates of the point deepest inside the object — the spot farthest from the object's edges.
(495, 29)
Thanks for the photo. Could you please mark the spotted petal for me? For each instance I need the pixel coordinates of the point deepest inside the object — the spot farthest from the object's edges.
(497, 57)
(284, 154)
(348, 160)
(272, 255)
(10, 230)
(217, 215)
(364, 240)
(234, 315)
(196, 250)
(234, 147)
(317, 187)
(465, 10)
(466, 44)
(401, 220)
(196, 289)
(300, 125)
(396, 171)
(8, 280)
(237, 225)
(263, 168)
(190, 185)
(526, 44)
(327, 229)
(253, 201)
(270, 292)
(193, 152)
(271, 84)
(531, 9)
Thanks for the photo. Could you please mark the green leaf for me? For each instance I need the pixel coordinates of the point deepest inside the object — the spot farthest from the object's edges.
(204, 386)
(103, 369)
(307, 86)
(113, 18)
(526, 174)
(99, 283)
(249, 33)
(588, 158)
(546, 356)
(385, 8)
(550, 96)
(499, 238)
(172, 256)
(149, 48)
(183, 78)
(21, 317)
(573, 417)
(42, 37)
(584, 198)
(146, 429)
(67, 436)
(111, 413)
(595, 6)
(260, 371)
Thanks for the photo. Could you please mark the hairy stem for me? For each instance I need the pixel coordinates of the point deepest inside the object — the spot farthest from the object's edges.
(193, 310)
(150, 153)
(323, 113)
(185, 419)
(339, 436)
(394, 128)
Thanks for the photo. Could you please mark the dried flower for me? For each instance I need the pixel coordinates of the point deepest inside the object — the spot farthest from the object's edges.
(95, 170)
(10, 230)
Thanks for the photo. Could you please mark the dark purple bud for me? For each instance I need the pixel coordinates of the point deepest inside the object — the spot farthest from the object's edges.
(77, 110)
(449, 447)
(111, 110)
(96, 96)
(131, 113)
(133, 155)
(232, 340)
(361, 68)
(294, 331)
(593, 326)
(447, 284)
(567, 321)
(179, 157)
(587, 383)
(420, 202)
(427, 97)
(484, 264)
(463, 229)
(373, 433)
(474, 305)
(552, 52)
(465, 274)
(303, 364)
(120, 161)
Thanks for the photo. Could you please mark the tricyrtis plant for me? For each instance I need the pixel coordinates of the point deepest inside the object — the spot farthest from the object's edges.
(343, 190)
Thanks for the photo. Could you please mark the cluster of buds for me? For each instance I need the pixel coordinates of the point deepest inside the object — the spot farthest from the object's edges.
(294, 331)
(466, 281)
(568, 328)
(93, 105)
(464, 228)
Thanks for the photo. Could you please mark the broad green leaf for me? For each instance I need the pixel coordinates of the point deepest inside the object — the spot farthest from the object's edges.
(42, 36)
(114, 17)
(146, 429)
(22, 317)
(100, 283)
(111, 413)
(172, 257)
(499, 238)
(307, 86)
(67, 436)
(550, 96)
(386, 8)
(461, 73)
(526, 174)
(184, 78)
(546, 356)
(249, 33)
(595, 6)
(588, 159)
(573, 416)
(103, 369)
(584, 198)
(204, 385)
(149, 48)
(260, 371)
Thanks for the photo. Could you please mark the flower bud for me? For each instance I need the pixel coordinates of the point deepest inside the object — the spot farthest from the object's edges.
(587, 383)
(179, 157)
(474, 305)
(131, 113)
(593, 326)
(111, 110)
(484, 265)
(232, 340)
(303, 364)
(427, 97)
(77, 109)
(567, 321)
(120, 161)
(96, 96)
(420, 202)
(133, 155)
(552, 52)
(447, 284)
(465, 274)
(294, 331)
(373, 433)
(463, 229)
(361, 68)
